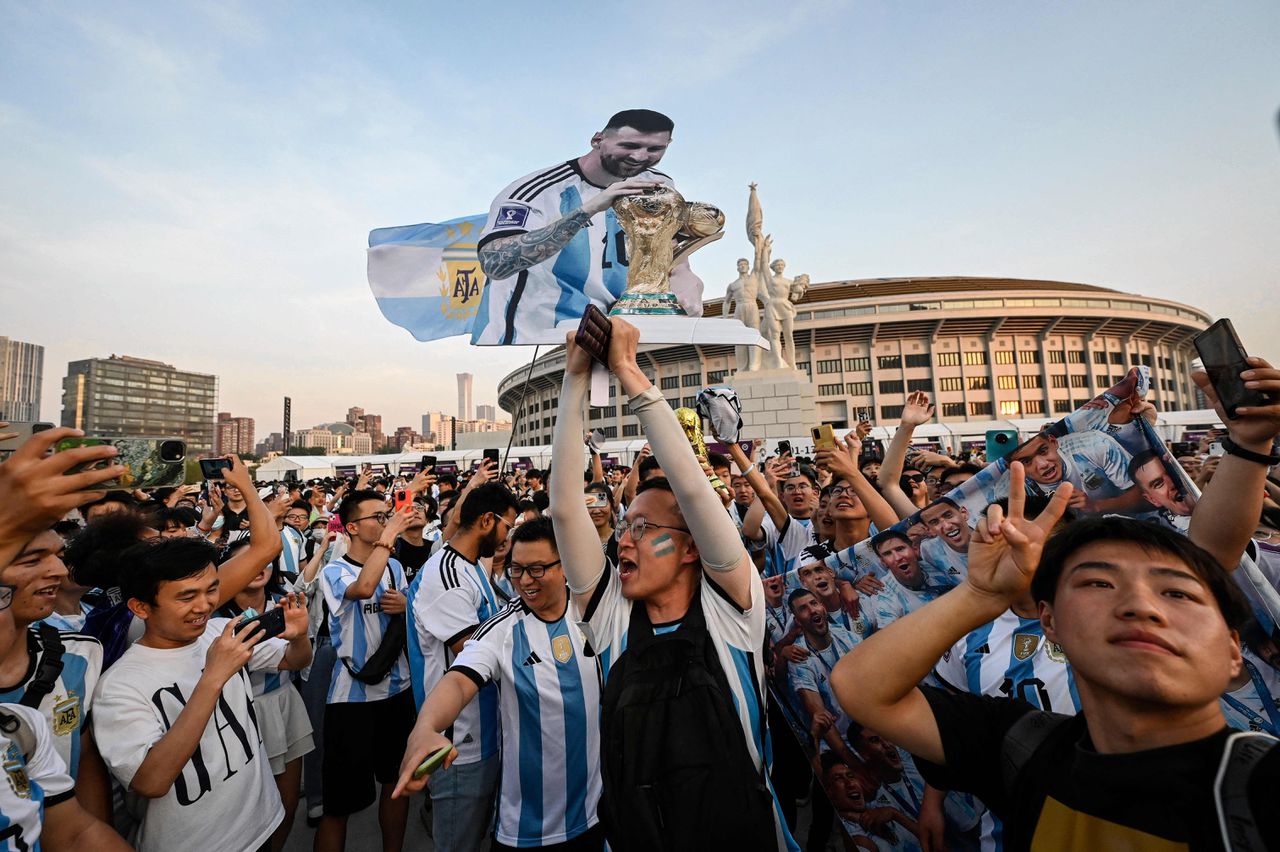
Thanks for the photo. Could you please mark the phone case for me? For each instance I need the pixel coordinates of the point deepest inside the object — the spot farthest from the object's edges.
(594, 332)
(272, 622)
(144, 466)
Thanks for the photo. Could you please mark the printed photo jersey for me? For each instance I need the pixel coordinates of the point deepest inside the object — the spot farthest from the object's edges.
(783, 547)
(65, 707)
(591, 268)
(450, 597)
(140, 698)
(32, 782)
(356, 628)
(549, 695)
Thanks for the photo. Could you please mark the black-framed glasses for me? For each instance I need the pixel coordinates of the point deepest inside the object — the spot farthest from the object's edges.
(639, 527)
(6, 595)
(296, 517)
(915, 478)
(380, 517)
(515, 572)
(794, 487)
(842, 490)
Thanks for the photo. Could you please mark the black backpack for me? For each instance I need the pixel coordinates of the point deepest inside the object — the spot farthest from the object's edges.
(676, 771)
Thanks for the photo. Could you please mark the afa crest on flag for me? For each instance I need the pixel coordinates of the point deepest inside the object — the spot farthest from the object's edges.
(427, 278)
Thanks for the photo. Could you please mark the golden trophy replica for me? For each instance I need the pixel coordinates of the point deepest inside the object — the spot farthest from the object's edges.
(662, 229)
(691, 423)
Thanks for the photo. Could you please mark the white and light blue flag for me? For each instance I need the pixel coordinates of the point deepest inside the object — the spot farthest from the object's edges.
(427, 278)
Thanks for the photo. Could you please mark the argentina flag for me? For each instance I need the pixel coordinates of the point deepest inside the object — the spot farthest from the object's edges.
(427, 278)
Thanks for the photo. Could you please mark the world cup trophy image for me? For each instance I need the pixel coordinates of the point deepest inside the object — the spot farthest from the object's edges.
(691, 423)
(662, 229)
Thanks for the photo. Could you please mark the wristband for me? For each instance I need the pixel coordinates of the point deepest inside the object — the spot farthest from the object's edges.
(380, 543)
(1231, 448)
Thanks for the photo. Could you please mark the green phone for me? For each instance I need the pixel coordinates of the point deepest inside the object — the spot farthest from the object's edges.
(148, 462)
(433, 762)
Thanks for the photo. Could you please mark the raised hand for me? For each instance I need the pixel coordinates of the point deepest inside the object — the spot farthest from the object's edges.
(611, 193)
(296, 621)
(35, 491)
(1005, 550)
(918, 410)
(576, 359)
(1253, 428)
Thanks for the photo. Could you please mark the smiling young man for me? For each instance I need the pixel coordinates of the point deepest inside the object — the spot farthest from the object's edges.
(945, 553)
(811, 677)
(549, 698)
(1148, 621)
(174, 715)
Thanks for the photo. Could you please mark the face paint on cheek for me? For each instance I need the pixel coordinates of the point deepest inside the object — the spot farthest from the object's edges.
(663, 545)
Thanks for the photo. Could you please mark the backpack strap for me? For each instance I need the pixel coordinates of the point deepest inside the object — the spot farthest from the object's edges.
(1240, 757)
(49, 669)
(15, 727)
(1021, 742)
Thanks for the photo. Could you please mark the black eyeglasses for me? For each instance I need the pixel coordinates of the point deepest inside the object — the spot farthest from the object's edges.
(841, 490)
(380, 517)
(639, 527)
(914, 478)
(6, 595)
(515, 572)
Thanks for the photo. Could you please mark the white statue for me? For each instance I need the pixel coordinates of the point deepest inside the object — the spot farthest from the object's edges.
(740, 297)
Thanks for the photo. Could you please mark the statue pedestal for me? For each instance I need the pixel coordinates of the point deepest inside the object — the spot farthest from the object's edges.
(776, 403)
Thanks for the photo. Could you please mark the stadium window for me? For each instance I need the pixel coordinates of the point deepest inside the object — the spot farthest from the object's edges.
(1058, 381)
(889, 362)
(1117, 357)
(829, 366)
(611, 431)
(1031, 381)
(1007, 382)
(923, 385)
(951, 383)
(830, 390)
(1079, 381)
(1033, 406)
(953, 409)
(715, 377)
(674, 402)
(917, 360)
(1075, 356)
(891, 386)
(1062, 406)
(1028, 356)
(690, 402)
(979, 383)
(691, 380)
(670, 382)
(1057, 357)
(594, 415)
(1004, 356)
(858, 388)
(948, 359)
(857, 363)
(979, 409)
(1099, 357)
(630, 430)
(626, 409)
(975, 359)
(803, 366)
(1010, 408)
(891, 412)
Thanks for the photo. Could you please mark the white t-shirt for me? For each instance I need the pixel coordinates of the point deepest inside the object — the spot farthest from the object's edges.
(31, 785)
(590, 269)
(550, 699)
(356, 628)
(225, 795)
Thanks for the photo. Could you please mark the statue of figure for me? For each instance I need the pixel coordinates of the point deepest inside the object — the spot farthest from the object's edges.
(787, 311)
(740, 298)
(776, 294)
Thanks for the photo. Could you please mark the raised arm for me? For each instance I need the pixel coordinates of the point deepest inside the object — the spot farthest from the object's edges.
(1227, 513)
(719, 546)
(843, 465)
(917, 411)
(576, 536)
(767, 500)
(264, 539)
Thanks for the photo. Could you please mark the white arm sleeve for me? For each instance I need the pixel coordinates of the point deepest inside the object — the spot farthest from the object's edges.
(718, 540)
(576, 536)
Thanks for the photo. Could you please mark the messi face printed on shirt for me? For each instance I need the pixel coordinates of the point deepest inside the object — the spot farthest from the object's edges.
(818, 578)
(948, 522)
(901, 559)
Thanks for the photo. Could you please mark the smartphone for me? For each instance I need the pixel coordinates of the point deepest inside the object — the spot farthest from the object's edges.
(1224, 360)
(272, 622)
(433, 762)
(25, 430)
(596, 500)
(427, 463)
(593, 334)
(784, 448)
(492, 455)
(1000, 442)
(1216, 449)
(823, 437)
(872, 451)
(402, 498)
(213, 468)
(148, 462)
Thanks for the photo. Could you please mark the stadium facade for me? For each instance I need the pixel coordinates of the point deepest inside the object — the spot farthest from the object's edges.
(983, 348)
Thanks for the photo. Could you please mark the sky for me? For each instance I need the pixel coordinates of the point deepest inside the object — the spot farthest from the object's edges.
(196, 182)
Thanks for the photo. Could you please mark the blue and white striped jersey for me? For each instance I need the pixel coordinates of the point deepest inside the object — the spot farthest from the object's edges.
(549, 694)
(293, 550)
(69, 623)
(32, 783)
(1255, 706)
(590, 269)
(1011, 658)
(356, 629)
(738, 635)
(896, 600)
(66, 707)
(943, 566)
(1091, 461)
(449, 597)
(783, 547)
(814, 673)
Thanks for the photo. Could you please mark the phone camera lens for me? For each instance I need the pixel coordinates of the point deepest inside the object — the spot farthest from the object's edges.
(1002, 439)
(172, 451)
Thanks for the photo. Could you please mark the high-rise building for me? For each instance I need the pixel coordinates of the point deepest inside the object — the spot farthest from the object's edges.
(486, 412)
(354, 415)
(233, 435)
(465, 411)
(371, 425)
(437, 428)
(126, 396)
(404, 436)
(21, 371)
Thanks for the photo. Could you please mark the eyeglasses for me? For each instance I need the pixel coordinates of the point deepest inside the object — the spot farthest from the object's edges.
(380, 517)
(639, 527)
(514, 571)
(296, 517)
(841, 490)
(798, 486)
(914, 479)
(6, 595)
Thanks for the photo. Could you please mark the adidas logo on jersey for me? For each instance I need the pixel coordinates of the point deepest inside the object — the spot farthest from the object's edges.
(532, 659)
(984, 648)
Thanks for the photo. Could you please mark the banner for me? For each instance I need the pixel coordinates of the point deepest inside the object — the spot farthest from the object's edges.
(427, 278)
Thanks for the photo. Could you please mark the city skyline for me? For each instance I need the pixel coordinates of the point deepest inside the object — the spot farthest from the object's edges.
(176, 208)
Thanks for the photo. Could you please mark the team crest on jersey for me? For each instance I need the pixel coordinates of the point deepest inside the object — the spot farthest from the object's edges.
(461, 285)
(16, 770)
(562, 649)
(511, 216)
(1025, 644)
(66, 715)
(1054, 652)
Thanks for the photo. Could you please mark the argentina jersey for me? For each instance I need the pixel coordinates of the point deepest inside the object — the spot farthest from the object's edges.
(65, 707)
(783, 548)
(449, 598)
(549, 694)
(1093, 462)
(896, 600)
(33, 783)
(591, 269)
(943, 566)
(356, 628)
(814, 672)
(1011, 658)
(1253, 706)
